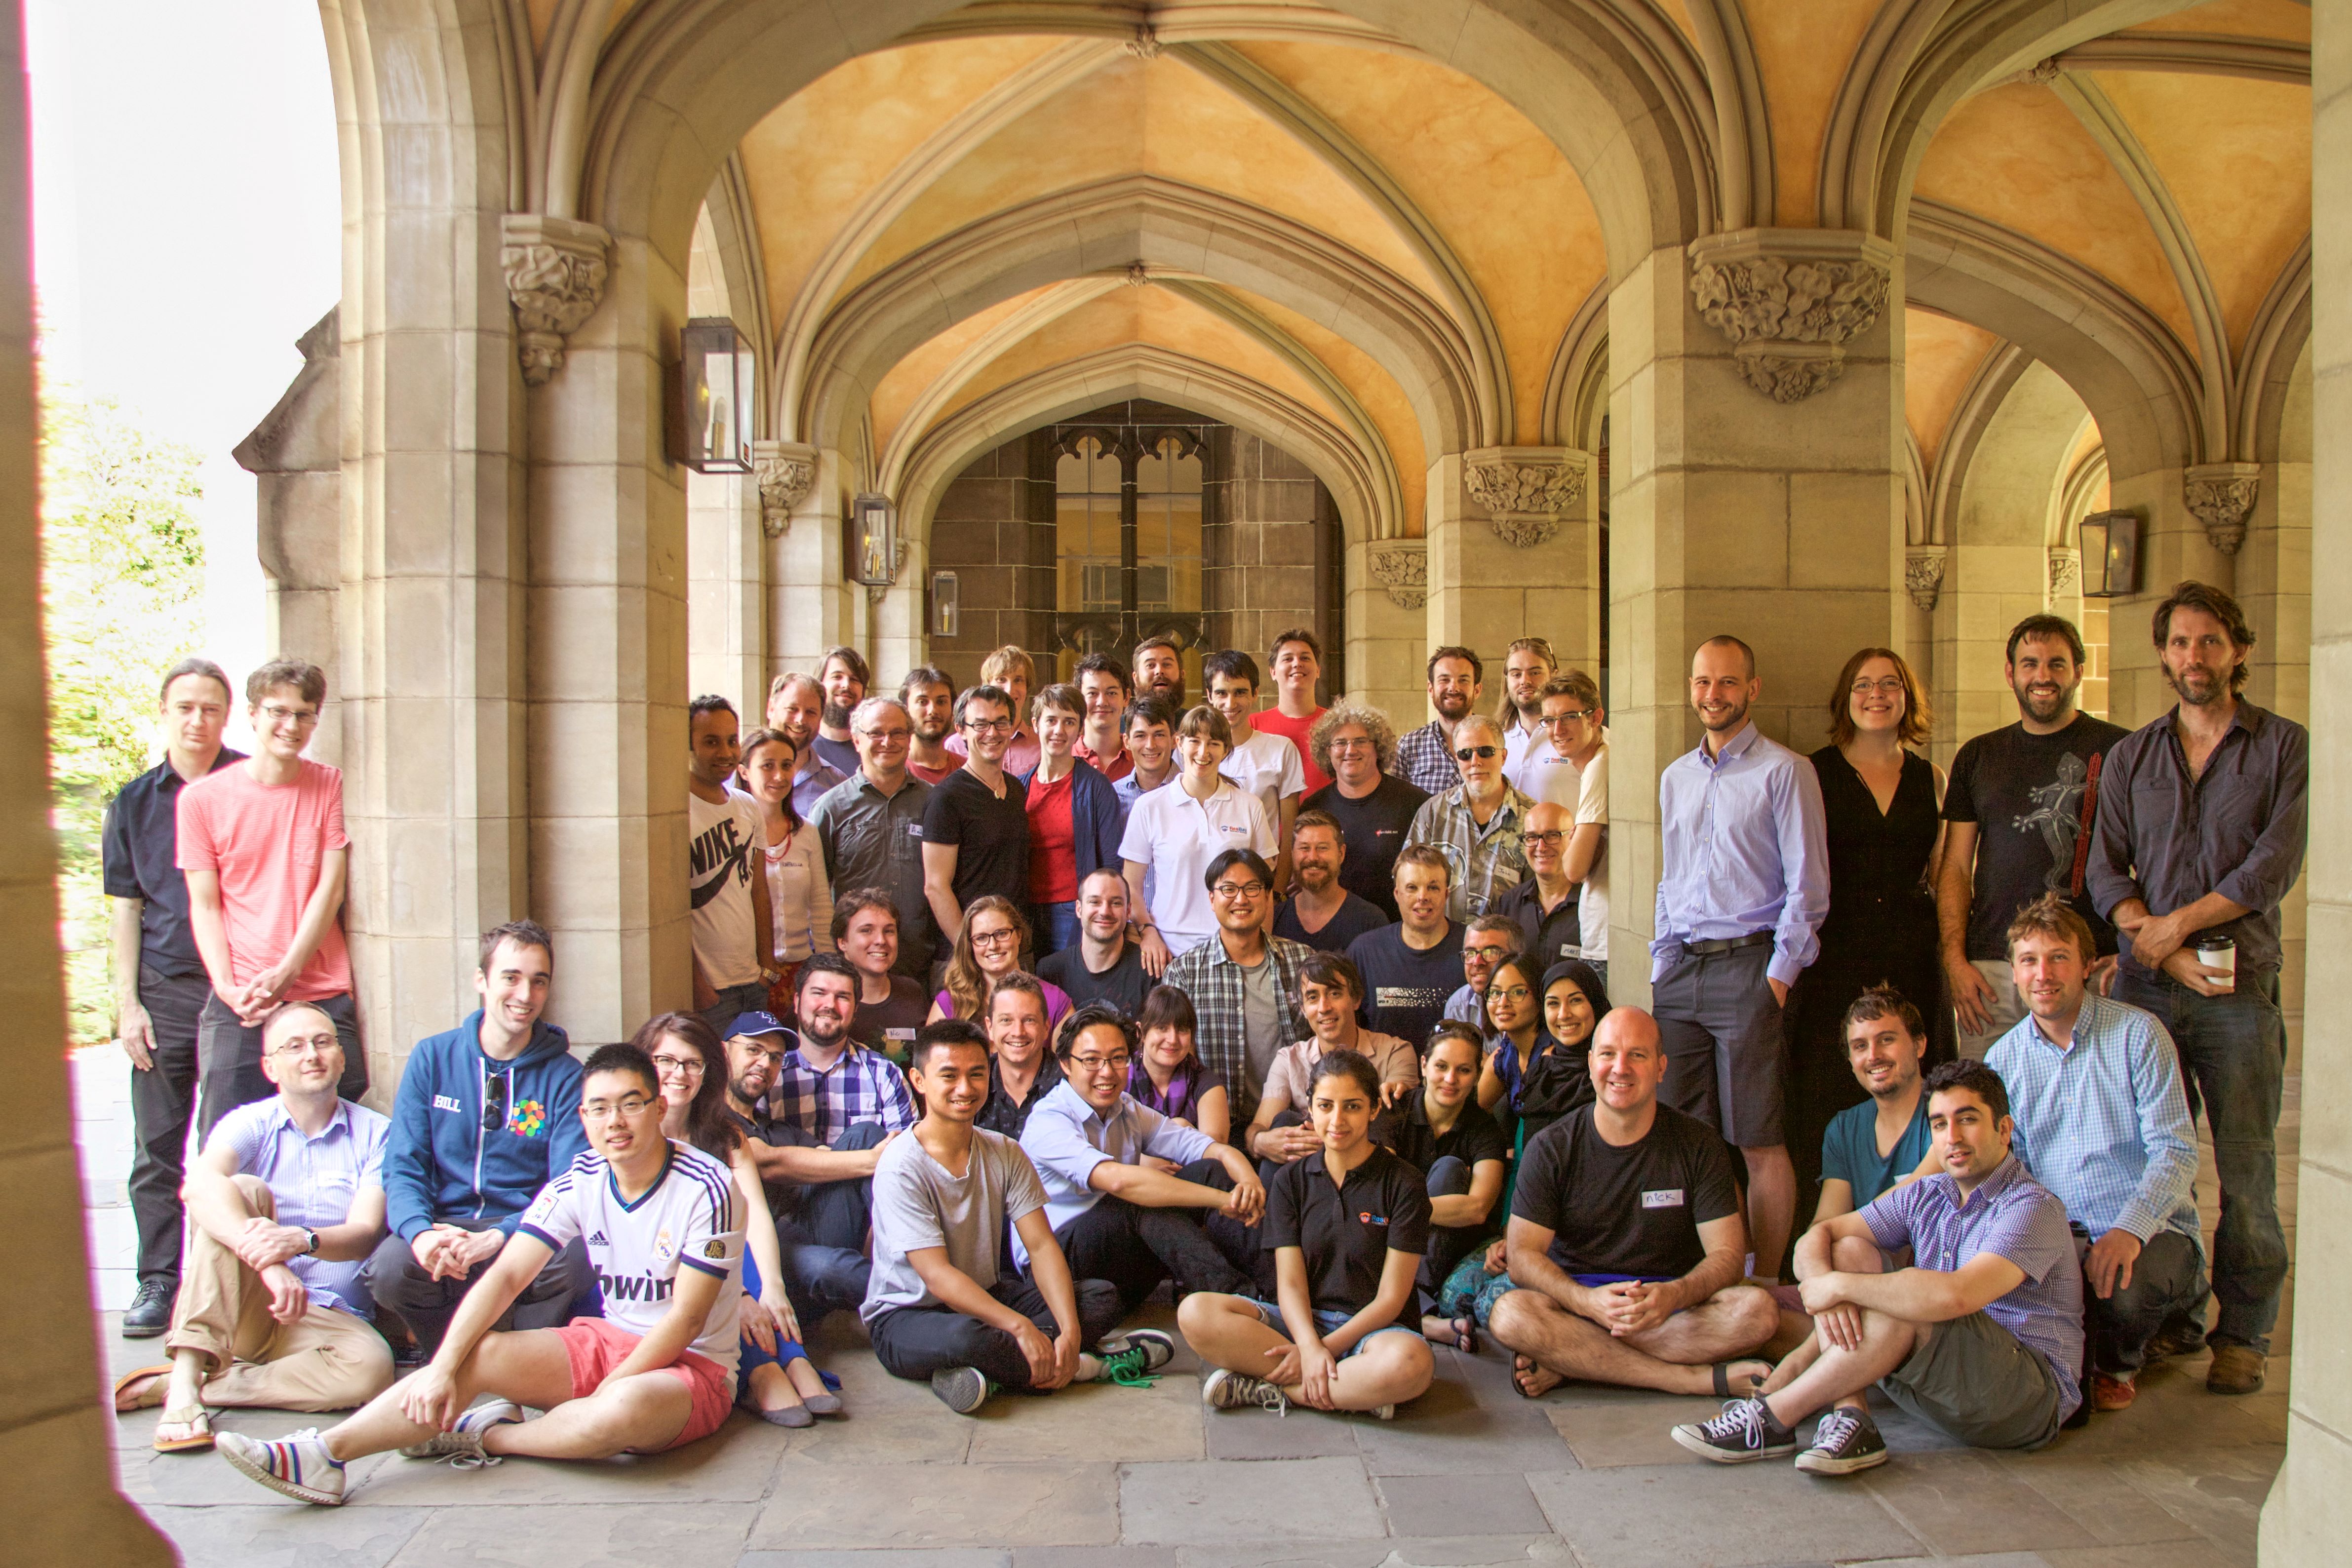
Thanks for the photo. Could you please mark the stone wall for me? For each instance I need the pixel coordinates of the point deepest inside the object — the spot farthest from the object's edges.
(995, 530)
(1266, 563)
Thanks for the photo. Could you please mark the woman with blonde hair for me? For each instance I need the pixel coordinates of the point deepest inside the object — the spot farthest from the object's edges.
(987, 949)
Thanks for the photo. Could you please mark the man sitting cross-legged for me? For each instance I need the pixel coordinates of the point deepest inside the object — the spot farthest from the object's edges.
(665, 1235)
(1626, 1240)
(287, 1201)
(943, 1304)
(1980, 1340)
(1126, 1186)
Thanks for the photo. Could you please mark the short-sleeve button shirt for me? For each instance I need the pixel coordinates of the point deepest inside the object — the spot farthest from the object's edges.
(313, 1182)
(1346, 1231)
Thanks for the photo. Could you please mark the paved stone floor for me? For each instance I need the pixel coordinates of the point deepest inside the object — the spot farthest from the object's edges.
(1469, 1474)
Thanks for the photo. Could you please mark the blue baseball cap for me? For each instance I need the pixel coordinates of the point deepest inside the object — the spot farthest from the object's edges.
(756, 1023)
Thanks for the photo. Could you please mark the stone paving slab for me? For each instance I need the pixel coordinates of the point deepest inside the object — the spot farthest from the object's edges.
(275, 1535)
(1449, 1551)
(1671, 1516)
(970, 1505)
(1963, 1501)
(1274, 1499)
(675, 1535)
(1490, 1504)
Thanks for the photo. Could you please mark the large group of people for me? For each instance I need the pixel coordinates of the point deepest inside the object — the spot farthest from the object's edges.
(1016, 1004)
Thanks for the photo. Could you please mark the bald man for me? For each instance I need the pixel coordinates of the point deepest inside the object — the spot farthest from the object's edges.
(1547, 905)
(1626, 1243)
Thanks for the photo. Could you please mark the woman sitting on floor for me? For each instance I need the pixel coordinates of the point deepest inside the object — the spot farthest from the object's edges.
(1170, 1077)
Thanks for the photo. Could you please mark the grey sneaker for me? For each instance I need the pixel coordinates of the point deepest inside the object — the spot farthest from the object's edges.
(1745, 1431)
(962, 1389)
(1845, 1442)
(1223, 1390)
(462, 1444)
(1139, 1355)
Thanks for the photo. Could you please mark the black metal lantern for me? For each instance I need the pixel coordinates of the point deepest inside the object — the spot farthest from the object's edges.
(717, 396)
(873, 540)
(2110, 554)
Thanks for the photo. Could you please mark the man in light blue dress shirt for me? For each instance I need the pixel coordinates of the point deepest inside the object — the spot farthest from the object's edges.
(2102, 1121)
(1742, 887)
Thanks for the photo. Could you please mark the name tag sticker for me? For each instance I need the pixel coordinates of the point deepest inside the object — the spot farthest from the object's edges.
(1663, 1198)
(899, 1034)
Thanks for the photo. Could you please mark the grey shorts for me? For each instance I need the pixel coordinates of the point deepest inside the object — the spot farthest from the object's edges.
(1978, 1382)
(1721, 1030)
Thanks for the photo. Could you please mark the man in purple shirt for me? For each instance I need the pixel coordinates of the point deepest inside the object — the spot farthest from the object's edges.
(2199, 835)
(1980, 1338)
(1742, 888)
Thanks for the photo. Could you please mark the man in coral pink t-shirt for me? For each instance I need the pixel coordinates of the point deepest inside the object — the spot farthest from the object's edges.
(1297, 666)
(263, 847)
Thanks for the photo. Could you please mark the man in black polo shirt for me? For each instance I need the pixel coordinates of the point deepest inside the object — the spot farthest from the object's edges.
(976, 823)
(1102, 965)
(160, 983)
(1626, 1241)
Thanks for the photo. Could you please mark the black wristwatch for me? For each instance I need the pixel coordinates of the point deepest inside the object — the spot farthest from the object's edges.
(311, 1250)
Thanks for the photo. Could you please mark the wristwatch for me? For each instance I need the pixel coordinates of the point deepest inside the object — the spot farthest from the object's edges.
(311, 1250)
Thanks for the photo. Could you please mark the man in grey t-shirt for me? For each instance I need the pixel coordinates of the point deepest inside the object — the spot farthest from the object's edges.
(941, 1304)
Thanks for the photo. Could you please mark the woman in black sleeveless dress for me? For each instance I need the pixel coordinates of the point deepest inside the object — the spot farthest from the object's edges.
(1883, 806)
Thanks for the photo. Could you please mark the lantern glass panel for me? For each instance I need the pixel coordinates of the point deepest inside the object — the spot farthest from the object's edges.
(716, 386)
(875, 557)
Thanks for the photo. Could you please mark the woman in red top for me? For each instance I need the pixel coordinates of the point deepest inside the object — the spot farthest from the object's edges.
(1073, 818)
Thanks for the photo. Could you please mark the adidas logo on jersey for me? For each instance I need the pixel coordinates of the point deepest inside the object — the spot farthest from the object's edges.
(596, 1238)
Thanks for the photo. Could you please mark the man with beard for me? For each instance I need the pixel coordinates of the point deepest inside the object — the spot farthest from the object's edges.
(1742, 886)
(2016, 813)
(795, 706)
(929, 698)
(1319, 911)
(2199, 835)
(1424, 758)
(843, 677)
(1160, 670)
(1527, 665)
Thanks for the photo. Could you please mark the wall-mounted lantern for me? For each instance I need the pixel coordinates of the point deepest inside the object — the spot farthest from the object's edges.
(2110, 554)
(873, 540)
(717, 395)
(947, 612)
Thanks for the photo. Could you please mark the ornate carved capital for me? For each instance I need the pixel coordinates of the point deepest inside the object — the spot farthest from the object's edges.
(1789, 299)
(2221, 495)
(1922, 576)
(555, 275)
(786, 471)
(1525, 489)
(1402, 568)
(2065, 571)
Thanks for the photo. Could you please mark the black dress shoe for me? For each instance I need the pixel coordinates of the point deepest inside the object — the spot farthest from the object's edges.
(149, 1312)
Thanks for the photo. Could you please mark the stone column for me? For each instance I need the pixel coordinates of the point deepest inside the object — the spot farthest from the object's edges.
(56, 1439)
(726, 623)
(1755, 468)
(809, 599)
(1388, 627)
(1514, 539)
(608, 660)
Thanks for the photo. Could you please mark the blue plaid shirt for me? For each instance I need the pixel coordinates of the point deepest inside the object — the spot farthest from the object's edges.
(863, 1086)
(2105, 1124)
(1424, 758)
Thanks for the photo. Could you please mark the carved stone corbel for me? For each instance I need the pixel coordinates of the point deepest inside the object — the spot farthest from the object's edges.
(2065, 571)
(555, 270)
(1527, 490)
(1923, 578)
(877, 592)
(786, 471)
(2221, 496)
(1789, 300)
(1402, 568)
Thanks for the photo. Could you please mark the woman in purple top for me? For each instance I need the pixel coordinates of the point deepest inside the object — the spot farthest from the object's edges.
(990, 946)
(1170, 1077)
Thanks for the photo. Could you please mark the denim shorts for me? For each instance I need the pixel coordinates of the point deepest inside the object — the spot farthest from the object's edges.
(1326, 1320)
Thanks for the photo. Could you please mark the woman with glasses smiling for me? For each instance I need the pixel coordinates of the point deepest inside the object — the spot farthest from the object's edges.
(986, 950)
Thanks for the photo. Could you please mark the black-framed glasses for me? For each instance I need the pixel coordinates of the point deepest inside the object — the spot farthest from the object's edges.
(1550, 838)
(604, 1111)
(494, 1104)
(683, 1066)
(1230, 891)
(1484, 754)
(984, 726)
(1119, 1063)
(994, 938)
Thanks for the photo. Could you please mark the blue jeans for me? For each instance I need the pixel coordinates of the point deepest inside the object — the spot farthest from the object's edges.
(1052, 928)
(2233, 1057)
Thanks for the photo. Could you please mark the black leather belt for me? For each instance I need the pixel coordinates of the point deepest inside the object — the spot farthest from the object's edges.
(1727, 945)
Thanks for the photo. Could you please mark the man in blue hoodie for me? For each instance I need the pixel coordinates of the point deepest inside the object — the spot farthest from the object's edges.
(486, 1113)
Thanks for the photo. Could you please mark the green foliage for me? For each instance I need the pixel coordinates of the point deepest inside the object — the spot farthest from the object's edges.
(122, 578)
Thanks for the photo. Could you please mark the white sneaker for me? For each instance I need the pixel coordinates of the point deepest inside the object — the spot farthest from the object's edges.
(462, 1444)
(297, 1464)
(1223, 1390)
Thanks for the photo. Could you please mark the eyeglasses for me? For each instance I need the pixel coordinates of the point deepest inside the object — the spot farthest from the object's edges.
(276, 715)
(1102, 1064)
(1507, 994)
(1491, 955)
(1351, 743)
(1550, 838)
(1231, 890)
(773, 1058)
(1484, 754)
(604, 1111)
(888, 737)
(1557, 720)
(685, 1067)
(994, 938)
(320, 1046)
(986, 726)
(1892, 686)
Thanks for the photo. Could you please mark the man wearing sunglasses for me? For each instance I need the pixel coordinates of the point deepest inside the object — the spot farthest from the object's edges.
(1476, 824)
(486, 1113)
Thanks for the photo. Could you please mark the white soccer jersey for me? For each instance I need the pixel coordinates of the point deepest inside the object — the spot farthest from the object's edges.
(636, 1249)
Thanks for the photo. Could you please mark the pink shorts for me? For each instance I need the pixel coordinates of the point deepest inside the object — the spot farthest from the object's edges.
(597, 1346)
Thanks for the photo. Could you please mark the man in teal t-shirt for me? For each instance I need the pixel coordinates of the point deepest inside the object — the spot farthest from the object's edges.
(1881, 1143)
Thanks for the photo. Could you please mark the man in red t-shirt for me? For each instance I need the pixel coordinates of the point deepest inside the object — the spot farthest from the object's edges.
(1297, 666)
(262, 845)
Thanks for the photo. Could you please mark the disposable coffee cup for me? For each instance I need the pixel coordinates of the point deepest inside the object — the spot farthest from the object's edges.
(2220, 952)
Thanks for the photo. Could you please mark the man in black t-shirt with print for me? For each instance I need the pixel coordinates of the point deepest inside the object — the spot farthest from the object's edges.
(1412, 967)
(1374, 808)
(2018, 816)
(1626, 1241)
(976, 821)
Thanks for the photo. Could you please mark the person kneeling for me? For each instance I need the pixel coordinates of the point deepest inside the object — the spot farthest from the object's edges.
(942, 1304)
(665, 1235)
(1125, 1188)
(1347, 1225)
(1980, 1339)
(1626, 1241)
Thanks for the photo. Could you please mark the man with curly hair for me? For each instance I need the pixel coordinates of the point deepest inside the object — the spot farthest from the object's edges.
(1354, 744)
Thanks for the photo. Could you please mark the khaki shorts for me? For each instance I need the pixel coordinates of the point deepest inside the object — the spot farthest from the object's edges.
(1978, 1382)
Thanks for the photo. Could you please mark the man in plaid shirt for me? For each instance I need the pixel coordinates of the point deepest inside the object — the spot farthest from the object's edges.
(1424, 758)
(1477, 823)
(830, 1085)
(1244, 985)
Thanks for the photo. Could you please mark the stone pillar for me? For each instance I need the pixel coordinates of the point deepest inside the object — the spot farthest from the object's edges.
(809, 606)
(725, 620)
(56, 1439)
(1756, 465)
(295, 455)
(1514, 541)
(1388, 627)
(2174, 544)
(608, 661)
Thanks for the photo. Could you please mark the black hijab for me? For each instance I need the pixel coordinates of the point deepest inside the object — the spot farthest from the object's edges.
(1558, 1079)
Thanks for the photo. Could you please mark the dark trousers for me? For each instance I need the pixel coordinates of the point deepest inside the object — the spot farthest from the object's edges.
(821, 1236)
(230, 1056)
(163, 1098)
(1449, 1244)
(2167, 1282)
(916, 1341)
(1135, 1247)
(2233, 1059)
(427, 1304)
(1722, 1034)
(734, 1001)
